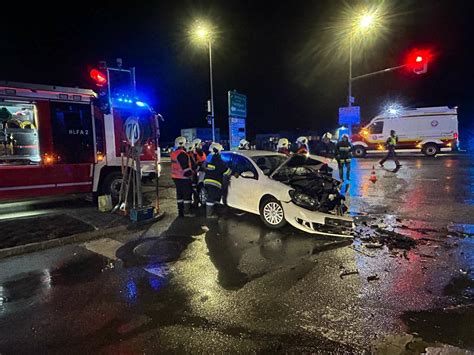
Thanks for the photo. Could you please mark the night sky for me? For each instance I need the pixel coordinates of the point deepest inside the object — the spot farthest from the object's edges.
(283, 55)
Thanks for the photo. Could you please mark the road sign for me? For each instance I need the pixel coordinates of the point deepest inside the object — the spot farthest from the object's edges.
(236, 131)
(349, 115)
(132, 130)
(237, 104)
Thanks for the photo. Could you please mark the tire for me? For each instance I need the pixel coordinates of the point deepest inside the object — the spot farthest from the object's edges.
(430, 149)
(111, 185)
(271, 213)
(359, 151)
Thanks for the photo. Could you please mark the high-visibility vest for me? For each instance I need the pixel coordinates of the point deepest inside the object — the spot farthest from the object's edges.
(200, 158)
(392, 140)
(177, 172)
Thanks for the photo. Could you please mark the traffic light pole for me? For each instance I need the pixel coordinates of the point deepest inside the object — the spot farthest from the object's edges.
(375, 73)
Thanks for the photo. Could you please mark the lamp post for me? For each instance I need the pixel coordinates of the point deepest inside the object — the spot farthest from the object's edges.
(362, 23)
(202, 33)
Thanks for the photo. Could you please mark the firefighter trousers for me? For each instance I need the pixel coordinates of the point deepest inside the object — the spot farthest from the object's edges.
(347, 163)
(184, 190)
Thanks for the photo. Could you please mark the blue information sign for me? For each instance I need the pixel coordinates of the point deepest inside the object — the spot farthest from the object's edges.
(237, 104)
(349, 115)
(236, 131)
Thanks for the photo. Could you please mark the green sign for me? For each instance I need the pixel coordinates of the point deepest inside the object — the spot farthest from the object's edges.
(237, 104)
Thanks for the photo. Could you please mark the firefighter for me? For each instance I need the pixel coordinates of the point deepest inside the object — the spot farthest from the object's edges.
(326, 148)
(181, 172)
(343, 156)
(302, 145)
(215, 172)
(283, 146)
(391, 145)
(244, 144)
(189, 147)
(199, 154)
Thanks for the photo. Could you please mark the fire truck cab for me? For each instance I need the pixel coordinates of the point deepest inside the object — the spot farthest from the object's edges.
(55, 140)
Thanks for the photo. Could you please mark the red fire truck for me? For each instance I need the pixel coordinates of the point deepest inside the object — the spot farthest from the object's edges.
(57, 140)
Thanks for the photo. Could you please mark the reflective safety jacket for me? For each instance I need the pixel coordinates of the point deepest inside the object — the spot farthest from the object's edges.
(180, 165)
(302, 150)
(343, 151)
(200, 157)
(392, 142)
(215, 170)
(193, 162)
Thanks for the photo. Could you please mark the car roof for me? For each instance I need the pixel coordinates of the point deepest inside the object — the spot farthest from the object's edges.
(254, 153)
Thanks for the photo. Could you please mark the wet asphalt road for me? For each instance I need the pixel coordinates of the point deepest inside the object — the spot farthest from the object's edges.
(233, 285)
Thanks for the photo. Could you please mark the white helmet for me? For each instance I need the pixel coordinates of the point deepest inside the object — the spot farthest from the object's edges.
(327, 135)
(244, 144)
(302, 140)
(179, 142)
(283, 143)
(197, 143)
(189, 147)
(215, 148)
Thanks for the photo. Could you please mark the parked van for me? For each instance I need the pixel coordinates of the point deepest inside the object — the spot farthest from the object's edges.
(428, 129)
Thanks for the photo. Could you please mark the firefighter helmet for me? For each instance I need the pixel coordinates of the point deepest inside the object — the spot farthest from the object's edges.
(215, 148)
(244, 144)
(327, 135)
(197, 143)
(302, 140)
(189, 147)
(179, 142)
(283, 143)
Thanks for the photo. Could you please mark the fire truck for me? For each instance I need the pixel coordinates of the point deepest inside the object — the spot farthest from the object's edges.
(60, 140)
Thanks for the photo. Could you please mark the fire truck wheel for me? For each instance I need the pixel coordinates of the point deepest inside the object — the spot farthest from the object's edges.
(430, 149)
(111, 184)
(359, 151)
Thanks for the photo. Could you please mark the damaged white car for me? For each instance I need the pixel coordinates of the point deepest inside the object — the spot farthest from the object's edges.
(299, 190)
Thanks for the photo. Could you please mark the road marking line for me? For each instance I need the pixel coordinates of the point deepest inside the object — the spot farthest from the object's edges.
(105, 246)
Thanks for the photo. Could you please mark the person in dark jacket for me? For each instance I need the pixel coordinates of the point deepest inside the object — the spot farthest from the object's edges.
(181, 172)
(391, 145)
(343, 156)
(325, 147)
(216, 170)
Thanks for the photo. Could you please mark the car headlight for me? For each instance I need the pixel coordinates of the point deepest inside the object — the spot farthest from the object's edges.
(303, 200)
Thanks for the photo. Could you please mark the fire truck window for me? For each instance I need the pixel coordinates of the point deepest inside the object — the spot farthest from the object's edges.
(73, 139)
(376, 128)
(19, 142)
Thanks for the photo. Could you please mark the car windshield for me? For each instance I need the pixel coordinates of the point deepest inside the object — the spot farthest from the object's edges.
(300, 165)
(269, 163)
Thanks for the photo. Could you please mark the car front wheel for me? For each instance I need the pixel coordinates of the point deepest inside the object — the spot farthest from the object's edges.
(271, 213)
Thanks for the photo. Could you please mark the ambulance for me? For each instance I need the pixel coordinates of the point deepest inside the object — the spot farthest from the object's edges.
(428, 130)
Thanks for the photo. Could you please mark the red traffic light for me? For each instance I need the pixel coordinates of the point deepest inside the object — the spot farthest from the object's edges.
(417, 60)
(99, 77)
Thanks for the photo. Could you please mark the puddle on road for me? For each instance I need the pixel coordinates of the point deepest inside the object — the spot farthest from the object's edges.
(26, 286)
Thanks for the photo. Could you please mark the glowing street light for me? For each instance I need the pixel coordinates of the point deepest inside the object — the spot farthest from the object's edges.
(363, 22)
(202, 32)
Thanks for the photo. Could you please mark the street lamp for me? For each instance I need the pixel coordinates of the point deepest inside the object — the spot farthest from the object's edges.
(361, 23)
(202, 33)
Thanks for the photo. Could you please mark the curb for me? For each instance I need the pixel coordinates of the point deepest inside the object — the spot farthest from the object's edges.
(54, 243)
(75, 238)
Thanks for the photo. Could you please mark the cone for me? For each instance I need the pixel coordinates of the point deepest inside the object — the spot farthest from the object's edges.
(373, 177)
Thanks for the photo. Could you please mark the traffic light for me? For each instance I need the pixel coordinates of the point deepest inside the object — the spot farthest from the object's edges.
(100, 80)
(417, 60)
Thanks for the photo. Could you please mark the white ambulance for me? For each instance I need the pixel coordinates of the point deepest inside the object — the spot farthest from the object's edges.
(428, 129)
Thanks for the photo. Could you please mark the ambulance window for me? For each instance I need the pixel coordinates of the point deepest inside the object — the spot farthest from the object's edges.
(19, 143)
(73, 138)
(376, 127)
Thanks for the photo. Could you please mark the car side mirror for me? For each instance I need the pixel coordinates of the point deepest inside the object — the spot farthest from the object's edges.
(248, 175)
